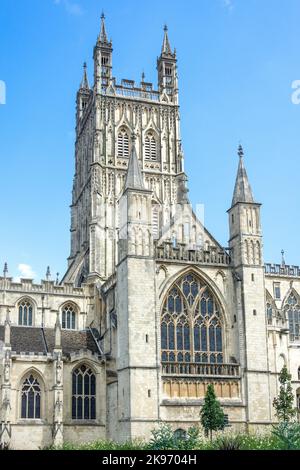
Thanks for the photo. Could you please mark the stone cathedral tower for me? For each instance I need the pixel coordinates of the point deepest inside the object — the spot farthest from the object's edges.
(107, 115)
(152, 308)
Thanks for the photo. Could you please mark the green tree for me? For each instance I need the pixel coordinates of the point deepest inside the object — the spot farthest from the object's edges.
(211, 414)
(283, 404)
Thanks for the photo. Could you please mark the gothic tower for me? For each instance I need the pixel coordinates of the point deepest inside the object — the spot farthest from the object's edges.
(247, 259)
(107, 115)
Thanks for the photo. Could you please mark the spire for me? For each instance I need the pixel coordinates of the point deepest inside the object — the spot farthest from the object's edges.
(134, 178)
(85, 81)
(242, 190)
(166, 48)
(103, 35)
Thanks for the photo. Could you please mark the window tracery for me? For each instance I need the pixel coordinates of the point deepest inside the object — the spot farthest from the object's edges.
(191, 324)
(83, 394)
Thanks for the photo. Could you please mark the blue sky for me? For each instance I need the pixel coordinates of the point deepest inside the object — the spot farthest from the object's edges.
(237, 62)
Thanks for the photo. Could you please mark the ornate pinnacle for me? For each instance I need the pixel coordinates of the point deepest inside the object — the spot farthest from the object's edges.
(48, 274)
(5, 270)
(240, 151)
(282, 258)
(103, 35)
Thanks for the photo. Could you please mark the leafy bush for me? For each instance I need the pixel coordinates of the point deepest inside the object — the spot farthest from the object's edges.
(288, 435)
(101, 445)
(228, 443)
(164, 438)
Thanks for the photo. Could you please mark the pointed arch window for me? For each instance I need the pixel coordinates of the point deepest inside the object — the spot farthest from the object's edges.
(191, 324)
(68, 317)
(25, 313)
(151, 153)
(83, 394)
(292, 312)
(31, 398)
(123, 143)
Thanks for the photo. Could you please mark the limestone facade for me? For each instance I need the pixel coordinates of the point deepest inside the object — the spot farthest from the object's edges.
(152, 308)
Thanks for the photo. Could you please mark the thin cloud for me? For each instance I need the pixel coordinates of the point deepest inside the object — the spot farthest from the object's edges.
(26, 272)
(72, 8)
(228, 4)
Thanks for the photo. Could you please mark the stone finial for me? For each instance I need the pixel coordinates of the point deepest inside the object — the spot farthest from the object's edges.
(282, 258)
(48, 274)
(5, 270)
(240, 151)
(57, 279)
(57, 332)
(7, 324)
(166, 48)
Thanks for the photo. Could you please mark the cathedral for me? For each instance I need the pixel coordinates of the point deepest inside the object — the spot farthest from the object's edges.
(152, 309)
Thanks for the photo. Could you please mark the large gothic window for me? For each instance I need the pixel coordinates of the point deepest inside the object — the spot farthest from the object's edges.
(150, 147)
(25, 313)
(83, 394)
(31, 399)
(68, 317)
(191, 324)
(123, 143)
(292, 311)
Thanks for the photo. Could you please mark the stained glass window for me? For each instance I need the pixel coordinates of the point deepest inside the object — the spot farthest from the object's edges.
(292, 311)
(68, 320)
(25, 313)
(83, 394)
(193, 313)
(31, 399)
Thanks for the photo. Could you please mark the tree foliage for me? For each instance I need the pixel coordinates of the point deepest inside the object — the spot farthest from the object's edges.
(211, 414)
(284, 403)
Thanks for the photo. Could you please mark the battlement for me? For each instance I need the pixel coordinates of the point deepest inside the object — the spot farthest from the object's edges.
(128, 89)
(181, 252)
(47, 287)
(282, 270)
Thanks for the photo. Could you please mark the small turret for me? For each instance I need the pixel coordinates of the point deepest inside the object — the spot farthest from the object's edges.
(167, 70)
(102, 60)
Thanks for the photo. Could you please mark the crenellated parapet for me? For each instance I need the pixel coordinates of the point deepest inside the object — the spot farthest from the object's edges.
(45, 287)
(212, 255)
(282, 270)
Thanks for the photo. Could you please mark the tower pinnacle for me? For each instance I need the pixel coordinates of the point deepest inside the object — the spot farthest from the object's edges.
(166, 48)
(134, 178)
(242, 189)
(85, 82)
(103, 35)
